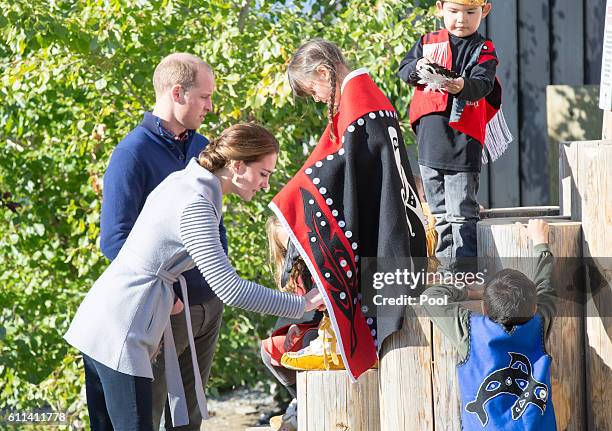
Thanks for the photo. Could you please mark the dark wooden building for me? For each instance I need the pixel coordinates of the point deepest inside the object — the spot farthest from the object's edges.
(539, 42)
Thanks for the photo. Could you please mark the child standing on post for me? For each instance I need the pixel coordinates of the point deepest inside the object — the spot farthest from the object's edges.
(453, 125)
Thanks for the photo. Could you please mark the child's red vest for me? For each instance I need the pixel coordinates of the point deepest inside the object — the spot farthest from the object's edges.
(479, 119)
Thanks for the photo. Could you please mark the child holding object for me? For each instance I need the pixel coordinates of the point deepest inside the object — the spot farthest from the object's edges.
(455, 112)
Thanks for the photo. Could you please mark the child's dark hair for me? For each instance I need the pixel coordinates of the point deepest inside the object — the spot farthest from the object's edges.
(304, 63)
(510, 297)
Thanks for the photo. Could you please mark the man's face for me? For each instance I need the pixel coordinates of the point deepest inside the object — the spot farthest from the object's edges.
(196, 102)
(462, 20)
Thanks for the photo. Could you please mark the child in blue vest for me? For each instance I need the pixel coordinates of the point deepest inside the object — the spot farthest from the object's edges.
(453, 124)
(504, 373)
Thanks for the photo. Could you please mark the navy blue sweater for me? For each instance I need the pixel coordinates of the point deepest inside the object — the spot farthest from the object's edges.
(142, 160)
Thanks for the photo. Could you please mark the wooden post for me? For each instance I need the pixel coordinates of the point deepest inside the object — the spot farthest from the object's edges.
(502, 245)
(606, 130)
(589, 185)
(329, 401)
(405, 376)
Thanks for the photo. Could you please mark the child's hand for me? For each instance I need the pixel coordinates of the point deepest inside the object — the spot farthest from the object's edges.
(292, 333)
(177, 307)
(455, 86)
(537, 230)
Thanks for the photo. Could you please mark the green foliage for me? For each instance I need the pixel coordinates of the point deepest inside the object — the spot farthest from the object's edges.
(75, 78)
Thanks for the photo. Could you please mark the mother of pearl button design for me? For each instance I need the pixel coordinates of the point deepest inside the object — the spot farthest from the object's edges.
(348, 233)
(360, 121)
(369, 321)
(341, 151)
(313, 239)
(342, 295)
(341, 223)
(323, 190)
(311, 202)
(319, 164)
(349, 274)
(354, 246)
(318, 213)
(330, 157)
(343, 263)
(335, 213)
(316, 181)
(308, 171)
(351, 128)
(323, 223)
(329, 201)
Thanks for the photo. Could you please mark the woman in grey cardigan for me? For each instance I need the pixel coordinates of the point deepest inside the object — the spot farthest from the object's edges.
(120, 324)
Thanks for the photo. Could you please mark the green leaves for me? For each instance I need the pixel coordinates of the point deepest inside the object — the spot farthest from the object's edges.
(75, 78)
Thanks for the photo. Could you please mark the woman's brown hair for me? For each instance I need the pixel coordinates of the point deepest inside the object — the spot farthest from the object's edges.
(304, 63)
(246, 142)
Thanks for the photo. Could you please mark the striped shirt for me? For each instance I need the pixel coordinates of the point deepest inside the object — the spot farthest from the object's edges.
(199, 230)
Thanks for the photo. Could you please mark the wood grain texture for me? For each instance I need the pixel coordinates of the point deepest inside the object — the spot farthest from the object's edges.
(501, 244)
(329, 401)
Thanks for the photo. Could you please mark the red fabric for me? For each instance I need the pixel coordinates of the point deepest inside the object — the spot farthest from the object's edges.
(360, 97)
(275, 344)
(475, 116)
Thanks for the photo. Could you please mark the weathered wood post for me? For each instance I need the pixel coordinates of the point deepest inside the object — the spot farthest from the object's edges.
(329, 401)
(586, 188)
(502, 245)
(405, 376)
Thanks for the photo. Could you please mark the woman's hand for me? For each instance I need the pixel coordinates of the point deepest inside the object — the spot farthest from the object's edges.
(292, 333)
(314, 300)
(177, 307)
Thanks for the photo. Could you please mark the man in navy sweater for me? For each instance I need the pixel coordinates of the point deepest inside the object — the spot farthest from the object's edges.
(163, 143)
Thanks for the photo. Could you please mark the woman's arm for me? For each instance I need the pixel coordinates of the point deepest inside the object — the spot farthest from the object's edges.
(199, 230)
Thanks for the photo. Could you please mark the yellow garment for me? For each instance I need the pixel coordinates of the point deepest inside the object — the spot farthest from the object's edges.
(321, 354)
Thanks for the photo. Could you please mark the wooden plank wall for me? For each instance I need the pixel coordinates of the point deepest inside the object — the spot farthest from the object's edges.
(539, 42)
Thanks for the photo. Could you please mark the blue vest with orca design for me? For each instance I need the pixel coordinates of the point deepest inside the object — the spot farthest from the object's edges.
(505, 381)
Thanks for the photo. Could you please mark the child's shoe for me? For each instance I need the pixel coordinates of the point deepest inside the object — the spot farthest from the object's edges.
(288, 421)
(320, 354)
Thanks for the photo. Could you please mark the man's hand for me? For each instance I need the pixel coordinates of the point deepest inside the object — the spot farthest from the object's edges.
(455, 86)
(537, 230)
(292, 333)
(314, 300)
(177, 307)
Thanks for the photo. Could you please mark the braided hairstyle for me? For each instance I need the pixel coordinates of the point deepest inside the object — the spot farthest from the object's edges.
(303, 65)
(246, 142)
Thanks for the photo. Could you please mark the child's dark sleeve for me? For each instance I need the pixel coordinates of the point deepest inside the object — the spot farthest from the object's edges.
(407, 68)
(452, 319)
(479, 81)
(544, 290)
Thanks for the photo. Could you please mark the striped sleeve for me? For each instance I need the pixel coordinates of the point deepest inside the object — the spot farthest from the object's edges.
(199, 230)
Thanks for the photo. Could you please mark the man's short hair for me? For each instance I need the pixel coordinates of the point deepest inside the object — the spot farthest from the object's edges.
(178, 68)
(509, 297)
